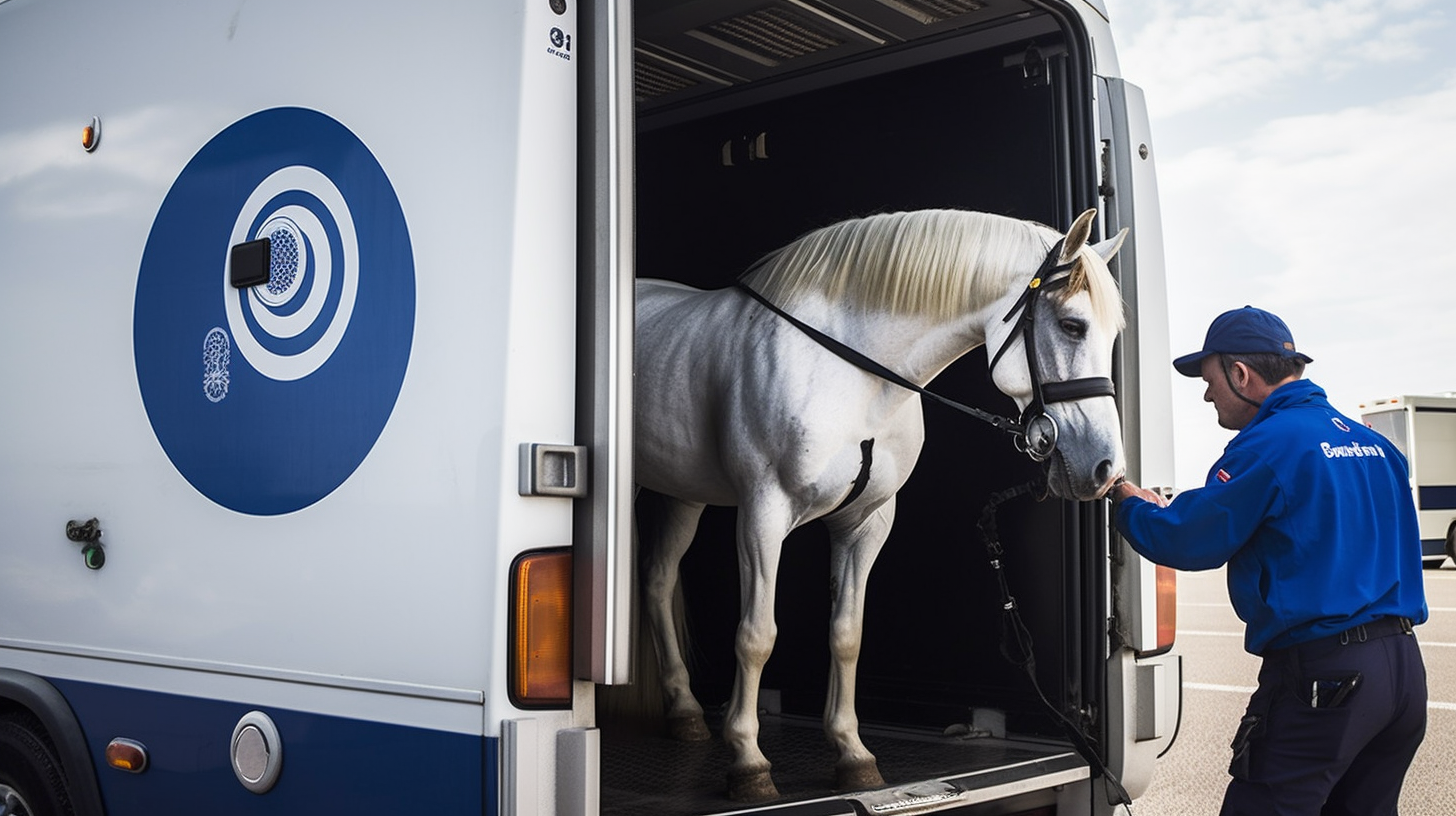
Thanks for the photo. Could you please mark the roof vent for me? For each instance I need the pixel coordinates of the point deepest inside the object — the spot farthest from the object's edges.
(769, 35)
(934, 11)
(655, 76)
(650, 81)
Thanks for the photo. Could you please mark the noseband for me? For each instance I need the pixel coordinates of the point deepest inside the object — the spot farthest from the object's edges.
(1035, 431)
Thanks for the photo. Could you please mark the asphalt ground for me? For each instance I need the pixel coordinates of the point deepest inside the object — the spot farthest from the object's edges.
(1219, 676)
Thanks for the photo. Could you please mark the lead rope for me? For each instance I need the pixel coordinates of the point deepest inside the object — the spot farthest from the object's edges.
(1014, 632)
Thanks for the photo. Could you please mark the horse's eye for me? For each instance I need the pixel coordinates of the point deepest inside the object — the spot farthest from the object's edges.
(1076, 329)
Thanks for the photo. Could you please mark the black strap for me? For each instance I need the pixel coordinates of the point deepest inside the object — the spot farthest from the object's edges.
(1026, 303)
(871, 366)
(1016, 645)
(1068, 390)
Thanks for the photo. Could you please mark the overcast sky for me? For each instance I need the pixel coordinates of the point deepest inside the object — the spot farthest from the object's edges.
(1306, 159)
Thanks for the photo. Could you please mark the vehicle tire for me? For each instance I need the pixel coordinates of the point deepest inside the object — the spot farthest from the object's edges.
(1451, 542)
(31, 780)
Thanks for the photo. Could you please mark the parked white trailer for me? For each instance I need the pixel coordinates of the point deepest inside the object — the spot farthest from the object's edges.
(1423, 427)
(316, 460)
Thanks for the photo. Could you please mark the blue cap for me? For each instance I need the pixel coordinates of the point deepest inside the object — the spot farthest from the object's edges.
(1242, 331)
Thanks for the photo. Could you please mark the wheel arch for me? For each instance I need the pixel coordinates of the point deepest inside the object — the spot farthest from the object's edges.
(26, 692)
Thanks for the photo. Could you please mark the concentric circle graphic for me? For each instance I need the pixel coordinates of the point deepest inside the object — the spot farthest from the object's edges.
(321, 346)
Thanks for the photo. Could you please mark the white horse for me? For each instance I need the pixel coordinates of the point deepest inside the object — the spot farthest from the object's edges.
(736, 406)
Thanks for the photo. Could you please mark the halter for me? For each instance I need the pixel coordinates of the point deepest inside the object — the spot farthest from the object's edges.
(1035, 431)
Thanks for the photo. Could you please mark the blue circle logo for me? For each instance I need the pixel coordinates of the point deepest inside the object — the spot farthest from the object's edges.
(267, 398)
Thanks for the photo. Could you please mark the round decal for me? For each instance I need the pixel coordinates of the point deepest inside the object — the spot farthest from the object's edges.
(266, 398)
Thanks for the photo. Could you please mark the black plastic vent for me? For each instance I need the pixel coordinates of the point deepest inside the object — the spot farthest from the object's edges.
(771, 34)
(934, 11)
(650, 81)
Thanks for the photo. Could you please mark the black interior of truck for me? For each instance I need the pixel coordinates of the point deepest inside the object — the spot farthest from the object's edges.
(723, 179)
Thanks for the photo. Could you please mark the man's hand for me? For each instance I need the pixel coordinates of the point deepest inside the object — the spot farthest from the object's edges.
(1124, 489)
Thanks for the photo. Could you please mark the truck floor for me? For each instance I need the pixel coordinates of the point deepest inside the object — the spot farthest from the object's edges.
(651, 774)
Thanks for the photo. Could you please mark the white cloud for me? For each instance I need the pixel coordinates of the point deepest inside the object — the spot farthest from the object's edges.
(1332, 195)
(1337, 221)
(1192, 54)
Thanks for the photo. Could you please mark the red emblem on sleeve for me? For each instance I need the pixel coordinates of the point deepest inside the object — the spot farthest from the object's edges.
(1222, 475)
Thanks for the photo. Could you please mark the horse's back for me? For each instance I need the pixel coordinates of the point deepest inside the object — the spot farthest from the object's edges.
(654, 284)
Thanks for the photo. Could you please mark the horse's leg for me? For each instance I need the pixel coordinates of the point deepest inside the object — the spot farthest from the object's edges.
(667, 535)
(853, 551)
(761, 532)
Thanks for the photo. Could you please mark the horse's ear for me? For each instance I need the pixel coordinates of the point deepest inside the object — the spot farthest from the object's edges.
(1110, 247)
(1077, 235)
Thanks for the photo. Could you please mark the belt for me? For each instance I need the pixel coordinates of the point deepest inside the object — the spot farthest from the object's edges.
(1378, 628)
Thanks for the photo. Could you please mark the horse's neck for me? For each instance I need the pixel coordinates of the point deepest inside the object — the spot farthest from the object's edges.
(916, 347)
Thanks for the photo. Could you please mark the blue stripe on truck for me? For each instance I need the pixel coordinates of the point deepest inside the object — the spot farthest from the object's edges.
(330, 764)
(1437, 497)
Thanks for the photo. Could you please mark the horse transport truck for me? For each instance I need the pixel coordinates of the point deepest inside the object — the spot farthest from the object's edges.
(316, 462)
(1423, 428)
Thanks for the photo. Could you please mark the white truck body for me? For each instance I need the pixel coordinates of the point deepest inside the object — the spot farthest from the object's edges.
(309, 493)
(1423, 428)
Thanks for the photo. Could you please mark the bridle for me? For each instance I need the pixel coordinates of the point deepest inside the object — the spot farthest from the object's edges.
(1035, 416)
(1035, 431)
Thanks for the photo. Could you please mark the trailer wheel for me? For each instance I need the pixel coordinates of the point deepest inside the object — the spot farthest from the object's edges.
(1451, 541)
(31, 780)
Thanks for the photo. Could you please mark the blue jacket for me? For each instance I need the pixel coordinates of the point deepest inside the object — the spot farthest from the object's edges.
(1312, 512)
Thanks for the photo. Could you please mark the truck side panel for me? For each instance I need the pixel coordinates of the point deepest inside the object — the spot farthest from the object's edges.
(307, 498)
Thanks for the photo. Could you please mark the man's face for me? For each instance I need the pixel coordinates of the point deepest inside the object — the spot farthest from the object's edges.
(1233, 413)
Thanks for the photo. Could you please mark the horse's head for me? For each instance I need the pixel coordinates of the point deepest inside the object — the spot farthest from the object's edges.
(1072, 315)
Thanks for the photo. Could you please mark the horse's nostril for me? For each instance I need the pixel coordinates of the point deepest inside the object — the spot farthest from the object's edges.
(1104, 470)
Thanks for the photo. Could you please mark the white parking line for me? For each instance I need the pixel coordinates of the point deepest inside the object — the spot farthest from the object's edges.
(1216, 687)
(1250, 690)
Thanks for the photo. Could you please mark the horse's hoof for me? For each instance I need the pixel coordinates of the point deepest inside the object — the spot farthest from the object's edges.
(751, 786)
(688, 729)
(858, 776)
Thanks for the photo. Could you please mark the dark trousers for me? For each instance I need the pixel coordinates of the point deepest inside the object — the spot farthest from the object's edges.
(1294, 757)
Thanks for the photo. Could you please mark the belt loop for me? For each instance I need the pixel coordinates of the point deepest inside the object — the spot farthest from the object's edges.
(1363, 633)
(1345, 638)
(1407, 627)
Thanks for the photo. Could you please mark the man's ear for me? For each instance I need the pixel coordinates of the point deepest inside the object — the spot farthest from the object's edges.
(1247, 378)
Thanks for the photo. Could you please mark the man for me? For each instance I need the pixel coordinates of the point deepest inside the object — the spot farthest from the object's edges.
(1312, 512)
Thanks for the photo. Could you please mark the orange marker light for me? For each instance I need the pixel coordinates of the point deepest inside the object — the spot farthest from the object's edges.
(91, 135)
(540, 667)
(126, 755)
(1167, 582)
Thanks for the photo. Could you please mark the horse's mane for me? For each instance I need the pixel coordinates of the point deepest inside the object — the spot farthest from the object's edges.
(937, 263)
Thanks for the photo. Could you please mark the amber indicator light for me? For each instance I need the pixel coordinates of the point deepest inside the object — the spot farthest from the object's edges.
(541, 629)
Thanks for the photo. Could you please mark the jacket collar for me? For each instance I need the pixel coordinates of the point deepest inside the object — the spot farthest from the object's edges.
(1287, 396)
